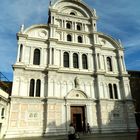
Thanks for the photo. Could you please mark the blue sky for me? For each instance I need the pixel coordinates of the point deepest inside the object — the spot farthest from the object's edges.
(118, 18)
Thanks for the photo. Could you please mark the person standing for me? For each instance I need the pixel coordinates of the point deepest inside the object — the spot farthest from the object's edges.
(71, 132)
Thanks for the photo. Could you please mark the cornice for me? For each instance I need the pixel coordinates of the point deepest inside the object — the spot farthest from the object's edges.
(20, 35)
(29, 67)
(75, 44)
(73, 31)
(72, 17)
(70, 71)
(4, 99)
(25, 36)
(37, 39)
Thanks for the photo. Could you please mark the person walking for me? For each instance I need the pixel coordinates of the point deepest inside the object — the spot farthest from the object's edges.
(71, 132)
(88, 129)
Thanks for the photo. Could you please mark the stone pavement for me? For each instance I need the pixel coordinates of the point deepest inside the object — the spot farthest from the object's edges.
(114, 136)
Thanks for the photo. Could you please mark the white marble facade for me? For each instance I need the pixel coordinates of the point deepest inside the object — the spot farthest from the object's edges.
(68, 63)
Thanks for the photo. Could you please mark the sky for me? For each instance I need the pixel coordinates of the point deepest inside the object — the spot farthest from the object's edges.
(117, 18)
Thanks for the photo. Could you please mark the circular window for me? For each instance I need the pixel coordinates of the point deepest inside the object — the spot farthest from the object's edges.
(42, 33)
(77, 95)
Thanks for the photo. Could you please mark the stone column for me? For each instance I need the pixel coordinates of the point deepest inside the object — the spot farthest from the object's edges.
(123, 63)
(73, 38)
(31, 55)
(50, 56)
(61, 58)
(42, 56)
(75, 26)
(118, 90)
(96, 59)
(42, 87)
(80, 60)
(18, 55)
(23, 53)
(99, 60)
(89, 114)
(67, 114)
(35, 88)
(71, 60)
(113, 64)
(64, 24)
(90, 62)
(105, 63)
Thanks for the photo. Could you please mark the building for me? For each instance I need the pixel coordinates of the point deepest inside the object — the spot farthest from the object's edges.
(5, 88)
(4, 101)
(66, 71)
(135, 91)
(135, 88)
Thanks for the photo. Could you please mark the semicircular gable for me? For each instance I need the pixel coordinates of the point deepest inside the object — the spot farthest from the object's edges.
(108, 42)
(37, 31)
(76, 94)
(75, 6)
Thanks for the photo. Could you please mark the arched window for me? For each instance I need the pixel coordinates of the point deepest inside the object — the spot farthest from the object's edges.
(78, 27)
(36, 60)
(20, 55)
(66, 59)
(75, 60)
(80, 39)
(72, 13)
(68, 25)
(2, 113)
(110, 91)
(109, 64)
(38, 88)
(69, 37)
(32, 85)
(84, 61)
(115, 91)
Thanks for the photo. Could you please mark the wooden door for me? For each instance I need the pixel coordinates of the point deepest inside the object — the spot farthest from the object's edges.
(78, 117)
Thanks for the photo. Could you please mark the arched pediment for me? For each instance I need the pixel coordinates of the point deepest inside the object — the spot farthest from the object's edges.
(76, 6)
(108, 42)
(37, 31)
(76, 94)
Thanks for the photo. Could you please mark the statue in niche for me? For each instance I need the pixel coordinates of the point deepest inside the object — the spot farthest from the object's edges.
(76, 81)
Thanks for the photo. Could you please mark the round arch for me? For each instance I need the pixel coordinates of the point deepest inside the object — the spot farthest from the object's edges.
(76, 94)
(75, 5)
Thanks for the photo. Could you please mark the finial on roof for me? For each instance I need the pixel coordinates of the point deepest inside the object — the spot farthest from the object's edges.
(22, 28)
(119, 41)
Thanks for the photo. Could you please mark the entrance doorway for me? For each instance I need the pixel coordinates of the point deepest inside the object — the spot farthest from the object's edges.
(78, 117)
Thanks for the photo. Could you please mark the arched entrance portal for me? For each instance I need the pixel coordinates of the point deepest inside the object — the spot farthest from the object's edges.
(78, 117)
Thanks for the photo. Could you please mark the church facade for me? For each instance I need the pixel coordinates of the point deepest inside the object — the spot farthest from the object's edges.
(66, 71)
